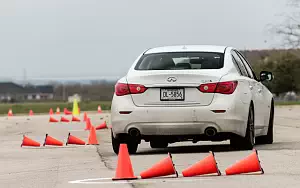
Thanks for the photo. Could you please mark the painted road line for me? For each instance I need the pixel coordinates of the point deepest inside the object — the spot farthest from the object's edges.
(155, 180)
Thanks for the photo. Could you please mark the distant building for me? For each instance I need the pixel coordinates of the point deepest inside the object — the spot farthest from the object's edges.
(12, 92)
(43, 92)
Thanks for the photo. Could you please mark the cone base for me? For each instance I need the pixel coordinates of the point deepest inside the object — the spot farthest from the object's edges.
(116, 179)
(176, 173)
(147, 174)
(58, 143)
(248, 173)
(30, 146)
(218, 172)
(26, 145)
(68, 140)
(261, 169)
(205, 175)
(258, 172)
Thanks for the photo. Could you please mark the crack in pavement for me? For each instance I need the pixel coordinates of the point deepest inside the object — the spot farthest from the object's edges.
(108, 166)
(102, 158)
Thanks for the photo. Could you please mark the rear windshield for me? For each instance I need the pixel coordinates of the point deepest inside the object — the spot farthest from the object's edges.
(180, 60)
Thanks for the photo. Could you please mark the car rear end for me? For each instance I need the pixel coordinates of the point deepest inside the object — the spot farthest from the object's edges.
(182, 94)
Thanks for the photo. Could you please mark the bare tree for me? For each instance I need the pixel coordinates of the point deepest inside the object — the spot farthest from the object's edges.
(289, 29)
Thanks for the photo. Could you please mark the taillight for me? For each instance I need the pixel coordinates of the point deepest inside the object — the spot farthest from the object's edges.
(220, 87)
(208, 88)
(226, 87)
(125, 89)
(121, 89)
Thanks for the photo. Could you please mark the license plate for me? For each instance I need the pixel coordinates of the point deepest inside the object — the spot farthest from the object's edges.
(168, 94)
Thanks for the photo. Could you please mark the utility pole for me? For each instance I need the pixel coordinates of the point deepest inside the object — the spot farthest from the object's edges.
(24, 77)
(63, 92)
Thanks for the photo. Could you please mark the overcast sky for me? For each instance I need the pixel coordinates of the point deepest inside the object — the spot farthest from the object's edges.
(72, 38)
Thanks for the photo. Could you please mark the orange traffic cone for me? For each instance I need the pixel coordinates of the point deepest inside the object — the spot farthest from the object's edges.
(124, 168)
(206, 166)
(10, 113)
(99, 109)
(52, 141)
(85, 116)
(63, 119)
(88, 124)
(31, 113)
(102, 126)
(93, 137)
(74, 140)
(29, 142)
(75, 119)
(53, 120)
(246, 165)
(51, 111)
(162, 168)
(57, 110)
(67, 112)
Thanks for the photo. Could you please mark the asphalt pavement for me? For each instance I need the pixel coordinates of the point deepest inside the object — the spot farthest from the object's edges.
(94, 165)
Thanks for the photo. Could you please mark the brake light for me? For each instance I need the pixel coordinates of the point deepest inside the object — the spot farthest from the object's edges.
(226, 87)
(121, 89)
(125, 89)
(220, 87)
(208, 88)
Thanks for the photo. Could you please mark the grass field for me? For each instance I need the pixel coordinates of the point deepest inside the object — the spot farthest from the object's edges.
(23, 108)
(288, 103)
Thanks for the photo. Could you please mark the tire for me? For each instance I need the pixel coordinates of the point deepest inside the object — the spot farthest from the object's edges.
(268, 139)
(115, 143)
(131, 145)
(247, 142)
(158, 144)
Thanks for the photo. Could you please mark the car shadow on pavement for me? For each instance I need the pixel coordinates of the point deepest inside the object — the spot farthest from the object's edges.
(187, 149)
(217, 148)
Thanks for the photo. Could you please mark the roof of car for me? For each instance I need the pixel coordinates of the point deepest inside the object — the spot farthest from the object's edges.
(187, 48)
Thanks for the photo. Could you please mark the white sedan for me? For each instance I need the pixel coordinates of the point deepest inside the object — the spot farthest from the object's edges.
(192, 93)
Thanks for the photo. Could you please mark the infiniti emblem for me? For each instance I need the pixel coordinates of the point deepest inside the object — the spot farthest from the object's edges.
(171, 79)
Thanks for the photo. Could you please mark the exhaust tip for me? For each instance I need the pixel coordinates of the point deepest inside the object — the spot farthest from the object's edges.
(134, 132)
(210, 131)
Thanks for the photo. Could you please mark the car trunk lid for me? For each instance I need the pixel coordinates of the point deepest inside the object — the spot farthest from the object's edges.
(173, 88)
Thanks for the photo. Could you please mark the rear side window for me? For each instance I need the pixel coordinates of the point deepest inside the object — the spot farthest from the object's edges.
(248, 67)
(239, 63)
(180, 60)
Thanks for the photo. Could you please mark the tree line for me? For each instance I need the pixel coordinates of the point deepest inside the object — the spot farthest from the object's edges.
(285, 66)
(94, 91)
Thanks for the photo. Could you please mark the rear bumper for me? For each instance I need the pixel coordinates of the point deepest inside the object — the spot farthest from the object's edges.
(181, 120)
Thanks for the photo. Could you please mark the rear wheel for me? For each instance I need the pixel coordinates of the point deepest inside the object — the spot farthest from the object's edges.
(247, 142)
(158, 144)
(268, 139)
(132, 145)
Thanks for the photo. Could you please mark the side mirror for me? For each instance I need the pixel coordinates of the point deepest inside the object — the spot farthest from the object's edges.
(265, 75)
